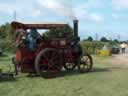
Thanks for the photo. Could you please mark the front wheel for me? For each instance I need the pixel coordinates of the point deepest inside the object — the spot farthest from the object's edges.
(85, 63)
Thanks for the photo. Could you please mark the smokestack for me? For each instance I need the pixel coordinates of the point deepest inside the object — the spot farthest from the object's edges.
(75, 21)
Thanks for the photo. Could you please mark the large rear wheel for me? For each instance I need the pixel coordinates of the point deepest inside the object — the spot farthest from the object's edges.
(48, 61)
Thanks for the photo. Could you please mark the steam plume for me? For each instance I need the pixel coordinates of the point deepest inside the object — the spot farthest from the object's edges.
(60, 7)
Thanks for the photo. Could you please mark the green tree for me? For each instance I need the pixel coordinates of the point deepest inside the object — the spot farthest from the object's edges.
(103, 39)
(116, 41)
(6, 32)
(90, 38)
(59, 32)
(7, 37)
(3, 30)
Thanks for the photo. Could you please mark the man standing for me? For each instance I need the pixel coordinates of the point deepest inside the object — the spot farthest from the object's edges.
(33, 36)
(123, 47)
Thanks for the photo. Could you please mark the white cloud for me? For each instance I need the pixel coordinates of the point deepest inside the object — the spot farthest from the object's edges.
(96, 17)
(59, 7)
(119, 17)
(36, 13)
(120, 4)
(6, 9)
(82, 11)
(96, 4)
(23, 9)
(83, 14)
(115, 16)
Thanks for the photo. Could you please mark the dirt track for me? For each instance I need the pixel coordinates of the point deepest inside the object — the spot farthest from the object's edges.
(120, 59)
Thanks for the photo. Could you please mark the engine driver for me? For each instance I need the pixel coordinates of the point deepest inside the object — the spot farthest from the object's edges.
(33, 36)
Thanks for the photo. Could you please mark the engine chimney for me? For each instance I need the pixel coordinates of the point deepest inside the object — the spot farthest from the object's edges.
(76, 30)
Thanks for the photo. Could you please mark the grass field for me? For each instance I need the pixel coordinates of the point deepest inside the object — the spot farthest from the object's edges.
(104, 80)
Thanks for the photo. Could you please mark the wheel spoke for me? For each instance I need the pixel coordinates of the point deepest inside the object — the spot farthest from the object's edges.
(54, 54)
(54, 58)
(50, 59)
(53, 61)
(86, 64)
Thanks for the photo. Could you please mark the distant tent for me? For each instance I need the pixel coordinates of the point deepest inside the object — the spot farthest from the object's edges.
(123, 45)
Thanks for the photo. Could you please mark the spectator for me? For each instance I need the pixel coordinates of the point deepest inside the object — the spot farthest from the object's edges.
(123, 47)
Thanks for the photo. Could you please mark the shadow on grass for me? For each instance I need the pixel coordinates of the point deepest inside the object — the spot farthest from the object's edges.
(7, 78)
(69, 73)
(95, 70)
(3, 55)
(119, 68)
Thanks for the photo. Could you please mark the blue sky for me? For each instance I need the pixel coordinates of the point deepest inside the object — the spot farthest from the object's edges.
(105, 17)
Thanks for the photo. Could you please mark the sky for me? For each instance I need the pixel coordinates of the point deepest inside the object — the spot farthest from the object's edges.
(107, 18)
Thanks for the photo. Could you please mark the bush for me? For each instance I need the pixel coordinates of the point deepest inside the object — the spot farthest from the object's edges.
(7, 46)
(91, 47)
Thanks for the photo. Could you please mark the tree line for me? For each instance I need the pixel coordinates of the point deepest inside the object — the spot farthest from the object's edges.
(103, 39)
(7, 35)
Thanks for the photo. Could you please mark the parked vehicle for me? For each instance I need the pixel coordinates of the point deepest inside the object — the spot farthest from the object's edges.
(115, 50)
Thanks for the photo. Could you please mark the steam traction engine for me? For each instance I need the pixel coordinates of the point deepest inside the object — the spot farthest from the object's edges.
(50, 54)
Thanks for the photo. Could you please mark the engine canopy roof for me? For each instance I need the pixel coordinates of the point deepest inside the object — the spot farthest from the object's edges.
(19, 25)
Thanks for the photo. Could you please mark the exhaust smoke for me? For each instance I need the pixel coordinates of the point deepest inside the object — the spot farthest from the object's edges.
(60, 7)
